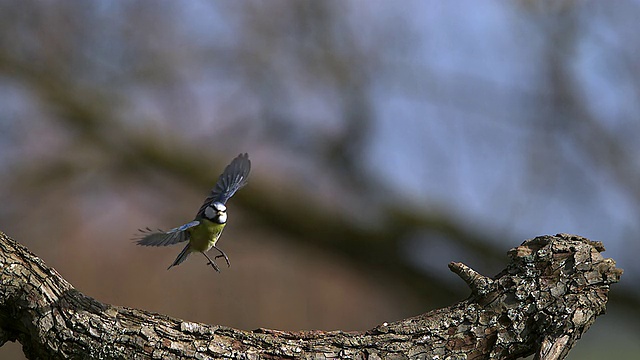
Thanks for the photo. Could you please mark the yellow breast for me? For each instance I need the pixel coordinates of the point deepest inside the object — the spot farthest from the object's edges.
(204, 235)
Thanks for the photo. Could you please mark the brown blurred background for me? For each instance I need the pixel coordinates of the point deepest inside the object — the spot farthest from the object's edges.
(386, 141)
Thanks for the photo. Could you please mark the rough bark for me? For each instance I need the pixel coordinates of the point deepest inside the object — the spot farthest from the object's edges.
(546, 298)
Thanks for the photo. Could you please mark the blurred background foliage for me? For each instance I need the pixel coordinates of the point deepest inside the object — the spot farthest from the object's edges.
(387, 140)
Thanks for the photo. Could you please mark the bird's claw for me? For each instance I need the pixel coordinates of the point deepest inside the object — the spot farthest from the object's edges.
(215, 267)
(225, 259)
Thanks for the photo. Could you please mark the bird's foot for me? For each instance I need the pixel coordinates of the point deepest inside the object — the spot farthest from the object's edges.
(225, 258)
(215, 267)
(222, 254)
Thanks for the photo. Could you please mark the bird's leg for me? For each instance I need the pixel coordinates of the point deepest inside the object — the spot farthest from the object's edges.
(226, 258)
(211, 262)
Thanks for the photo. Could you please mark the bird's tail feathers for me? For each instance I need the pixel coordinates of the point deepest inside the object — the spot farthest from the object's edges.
(181, 257)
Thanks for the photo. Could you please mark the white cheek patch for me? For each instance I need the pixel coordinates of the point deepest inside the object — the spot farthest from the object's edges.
(209, 212)
(222, 218)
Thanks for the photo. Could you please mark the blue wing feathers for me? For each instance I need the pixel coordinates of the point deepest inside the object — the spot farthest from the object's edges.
(185, 226)
(160, 238)
(234, 177)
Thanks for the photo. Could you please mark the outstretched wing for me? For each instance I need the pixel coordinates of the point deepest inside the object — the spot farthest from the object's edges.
(170, 237)
(234, 177)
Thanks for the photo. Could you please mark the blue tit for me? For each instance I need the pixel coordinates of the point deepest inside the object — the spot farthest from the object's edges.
(205, 230)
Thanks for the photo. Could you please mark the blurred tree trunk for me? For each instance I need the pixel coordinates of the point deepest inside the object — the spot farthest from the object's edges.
(546, 298)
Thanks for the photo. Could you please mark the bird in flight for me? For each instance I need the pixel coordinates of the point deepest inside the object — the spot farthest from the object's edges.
(203, 232)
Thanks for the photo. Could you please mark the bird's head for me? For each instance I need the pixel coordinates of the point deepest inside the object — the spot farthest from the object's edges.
(216, 212)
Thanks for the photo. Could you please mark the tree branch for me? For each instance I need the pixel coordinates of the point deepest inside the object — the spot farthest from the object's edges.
(546, 298)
